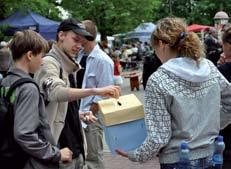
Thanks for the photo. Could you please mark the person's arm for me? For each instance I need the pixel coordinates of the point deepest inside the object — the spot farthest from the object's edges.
(57, 90)
(108, 91)
(27, 123)
(157, 134)
(51, 85)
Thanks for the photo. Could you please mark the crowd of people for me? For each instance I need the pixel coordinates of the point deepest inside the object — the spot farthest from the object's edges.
(56, 116)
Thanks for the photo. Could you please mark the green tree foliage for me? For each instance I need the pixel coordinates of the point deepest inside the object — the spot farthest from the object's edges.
(194, 11)
(2, 36)
(112, 16)
(46, 8)
(178, 8)
(118, 16)
(205, 10)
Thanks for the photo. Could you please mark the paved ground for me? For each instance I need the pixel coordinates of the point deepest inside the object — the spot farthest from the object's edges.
(117, 162)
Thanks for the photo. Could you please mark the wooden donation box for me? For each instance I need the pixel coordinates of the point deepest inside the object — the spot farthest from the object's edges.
(123, 120)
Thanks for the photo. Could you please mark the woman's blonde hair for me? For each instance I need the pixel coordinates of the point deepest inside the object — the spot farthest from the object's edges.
(173, 31)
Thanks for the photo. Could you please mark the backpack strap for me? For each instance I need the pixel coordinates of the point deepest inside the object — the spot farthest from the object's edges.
(17, 83)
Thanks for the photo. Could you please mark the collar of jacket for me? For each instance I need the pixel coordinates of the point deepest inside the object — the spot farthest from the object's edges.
(68, 65)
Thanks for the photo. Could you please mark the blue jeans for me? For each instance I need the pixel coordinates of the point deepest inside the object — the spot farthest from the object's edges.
(203, 163)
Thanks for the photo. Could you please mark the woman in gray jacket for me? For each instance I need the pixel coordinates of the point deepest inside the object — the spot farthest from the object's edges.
(186, 99)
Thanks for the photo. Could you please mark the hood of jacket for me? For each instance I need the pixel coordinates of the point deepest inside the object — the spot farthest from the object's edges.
(189, 69)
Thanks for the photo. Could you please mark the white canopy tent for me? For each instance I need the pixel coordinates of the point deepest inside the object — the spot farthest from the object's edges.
(142, 32)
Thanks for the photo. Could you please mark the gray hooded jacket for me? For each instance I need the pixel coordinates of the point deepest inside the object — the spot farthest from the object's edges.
(184, 100)
(31, 128)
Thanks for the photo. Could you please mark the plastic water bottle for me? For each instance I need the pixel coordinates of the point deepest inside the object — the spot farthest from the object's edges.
(184, 155)
(219, 147)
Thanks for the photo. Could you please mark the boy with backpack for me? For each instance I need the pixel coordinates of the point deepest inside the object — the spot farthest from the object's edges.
(26, 140)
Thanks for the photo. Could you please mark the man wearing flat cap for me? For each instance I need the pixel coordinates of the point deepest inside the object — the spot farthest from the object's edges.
(53, 80)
